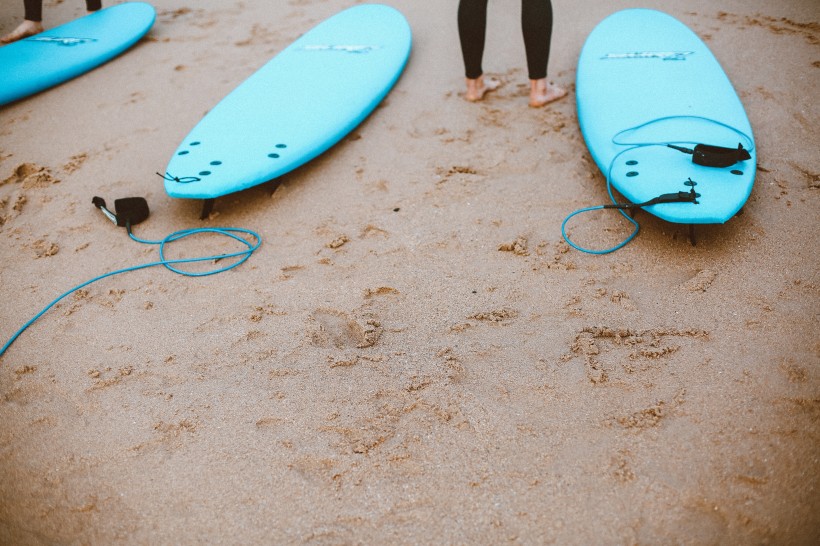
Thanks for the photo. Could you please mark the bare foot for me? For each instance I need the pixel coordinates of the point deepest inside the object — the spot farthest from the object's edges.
(542, 92)
(477, 88)
(24, 30)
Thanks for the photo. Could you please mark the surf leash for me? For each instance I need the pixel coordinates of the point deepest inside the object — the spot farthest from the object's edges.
(618, 138)
(133, 210)
(702, 154)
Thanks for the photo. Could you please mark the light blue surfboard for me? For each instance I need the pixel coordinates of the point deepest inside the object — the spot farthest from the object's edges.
(646, 80)
(299, 104)
(52, 57)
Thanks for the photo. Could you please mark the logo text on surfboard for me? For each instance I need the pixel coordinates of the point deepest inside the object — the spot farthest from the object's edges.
(69, 42)
(663, 55)
(343, 48)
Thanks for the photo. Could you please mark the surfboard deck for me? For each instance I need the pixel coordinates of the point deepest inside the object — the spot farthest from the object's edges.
(64, 52)
(645, 79)
(296, 106)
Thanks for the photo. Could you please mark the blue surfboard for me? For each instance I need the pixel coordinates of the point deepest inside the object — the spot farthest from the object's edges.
(296, 106)
(59, 54)
(646, 81)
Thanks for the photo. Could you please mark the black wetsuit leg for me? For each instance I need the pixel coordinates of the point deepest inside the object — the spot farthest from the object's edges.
(536, 24)
(472, 25)
(33, 10)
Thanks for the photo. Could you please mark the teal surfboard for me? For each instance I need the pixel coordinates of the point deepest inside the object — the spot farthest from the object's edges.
(296, 106)
(646, 81)
(52, 57)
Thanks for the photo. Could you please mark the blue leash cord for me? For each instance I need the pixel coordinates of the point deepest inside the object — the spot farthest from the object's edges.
(616, 139)
(602, 207)
(233, 233)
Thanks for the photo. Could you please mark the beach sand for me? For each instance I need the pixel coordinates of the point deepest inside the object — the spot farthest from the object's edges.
(414, 355)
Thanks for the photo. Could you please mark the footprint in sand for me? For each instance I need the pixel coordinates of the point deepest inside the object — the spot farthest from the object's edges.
(25, 177)
(700, 282)
(335, 329)
(31, 175)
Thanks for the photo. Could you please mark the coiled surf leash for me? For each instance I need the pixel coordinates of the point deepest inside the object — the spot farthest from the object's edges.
(131, 211)
(706, 155)
(677, 197)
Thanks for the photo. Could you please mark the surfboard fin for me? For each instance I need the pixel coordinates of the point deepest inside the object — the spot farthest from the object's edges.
(207, 207)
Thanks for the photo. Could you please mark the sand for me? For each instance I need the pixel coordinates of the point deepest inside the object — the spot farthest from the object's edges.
(414, 355)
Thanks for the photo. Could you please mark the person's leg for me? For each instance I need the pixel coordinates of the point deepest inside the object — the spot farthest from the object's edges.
(31, 25)
(472, 25)
(33, 10)
(536, 25)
